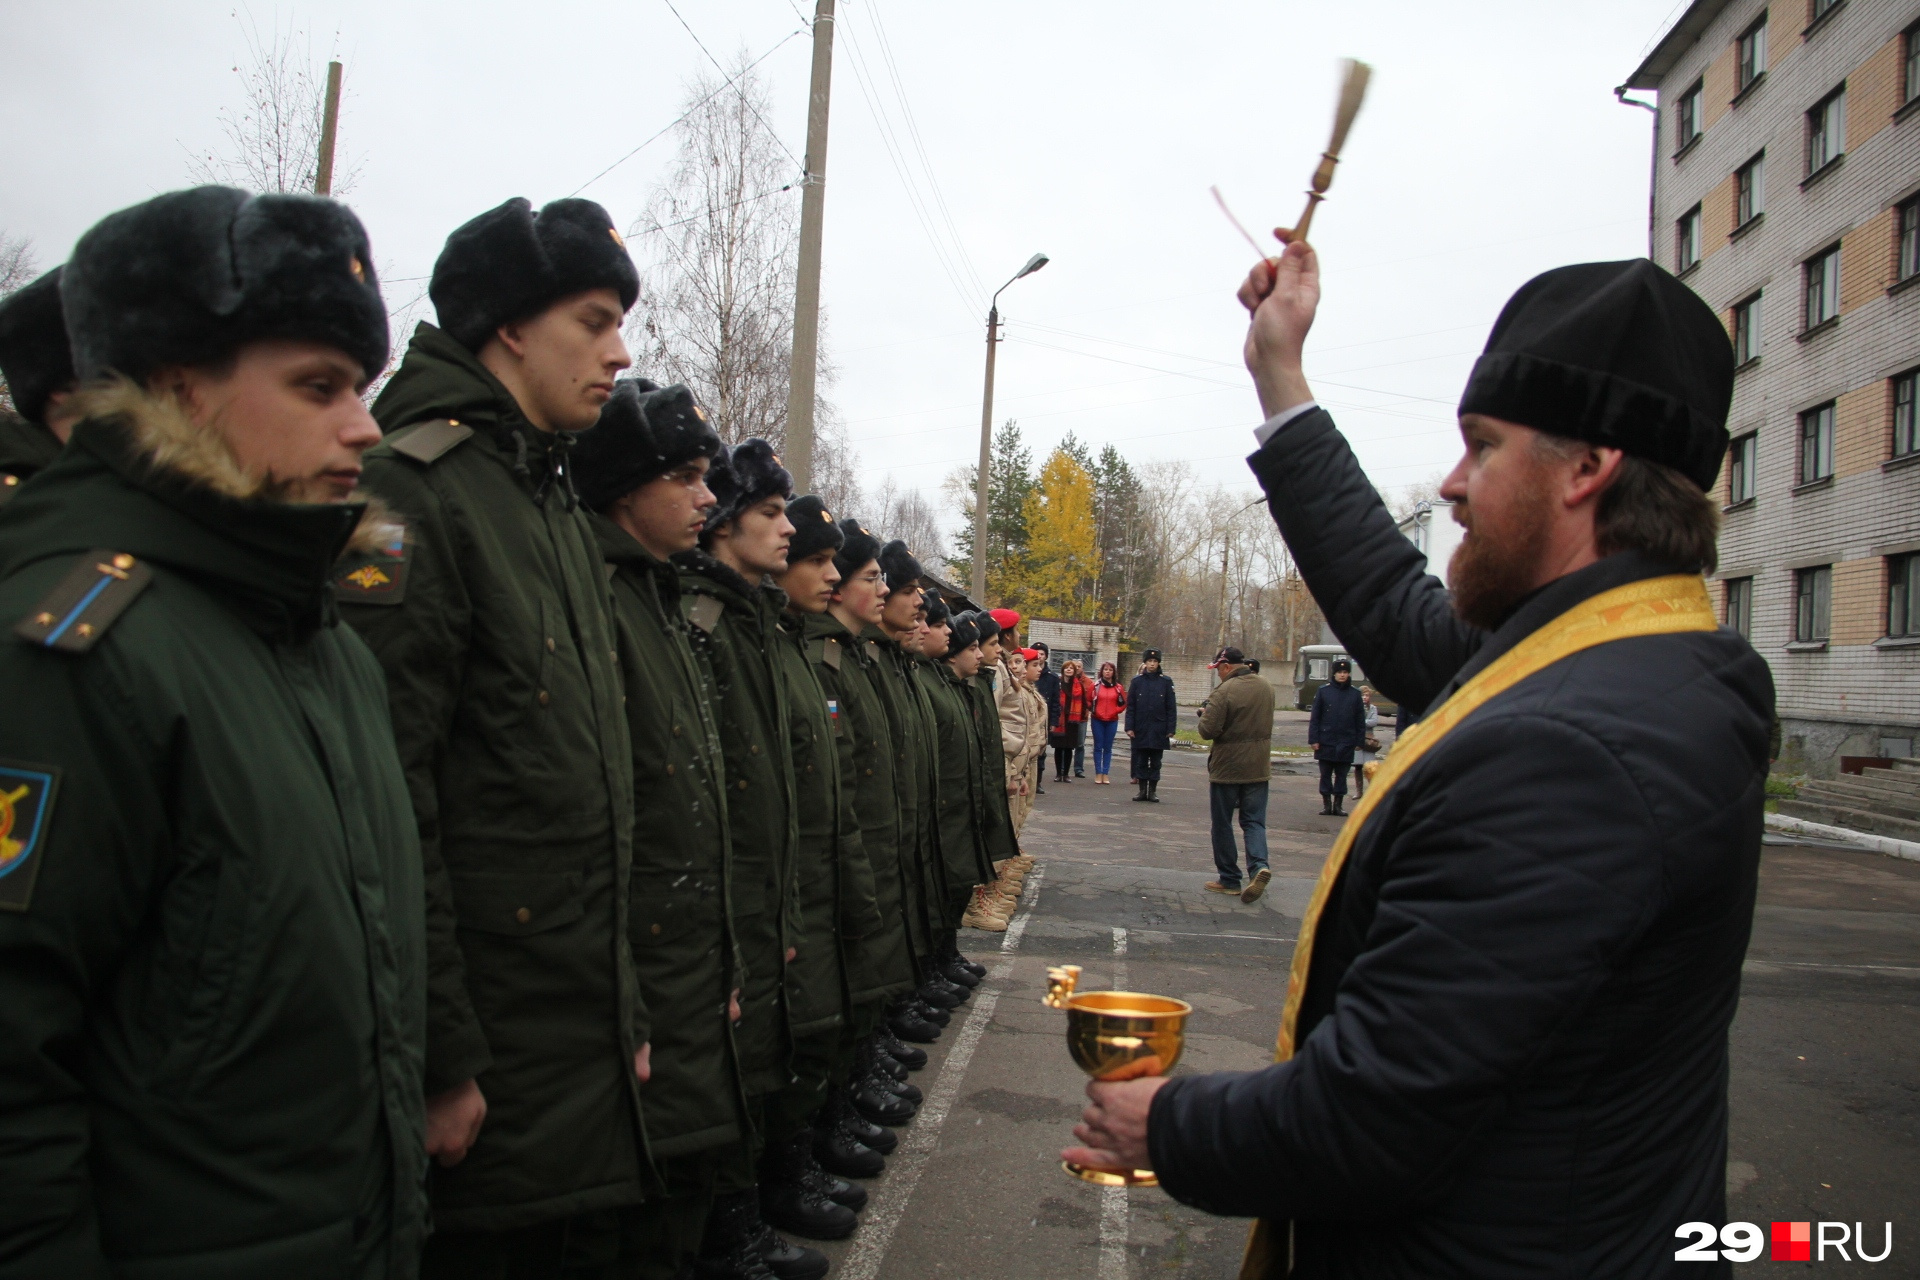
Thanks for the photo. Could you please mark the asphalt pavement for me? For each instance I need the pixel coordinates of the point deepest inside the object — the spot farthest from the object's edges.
(1825, 1089)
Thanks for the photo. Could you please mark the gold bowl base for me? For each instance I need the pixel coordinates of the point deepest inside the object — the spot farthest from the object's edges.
(1111, 1177)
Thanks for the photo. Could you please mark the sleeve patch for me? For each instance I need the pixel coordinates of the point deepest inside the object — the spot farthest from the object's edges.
(380, 578)
(704, 612)
(79, 610)
(26, 811)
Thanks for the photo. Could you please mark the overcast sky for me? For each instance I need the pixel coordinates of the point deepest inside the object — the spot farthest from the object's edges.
(1490, 148)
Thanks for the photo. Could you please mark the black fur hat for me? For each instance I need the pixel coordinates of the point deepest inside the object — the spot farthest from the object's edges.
(751, 473)
(813, 529)
(988, 624)
(645, 430)
(510, 263)
(858, 551)
(939, 612)
(34, 357)
(898, 564)
(965, 631)
(190, 277)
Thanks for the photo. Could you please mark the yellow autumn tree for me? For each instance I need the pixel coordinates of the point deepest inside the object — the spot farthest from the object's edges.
(1059, 576)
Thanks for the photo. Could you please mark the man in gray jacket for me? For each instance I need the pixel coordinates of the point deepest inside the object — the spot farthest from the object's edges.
(1238, 720)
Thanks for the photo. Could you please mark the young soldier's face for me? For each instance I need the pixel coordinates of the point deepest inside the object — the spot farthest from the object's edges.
(665, 515)
(1034, 668)
(902, 611)
(1151, 666)
(863, 593)
(965, 662)
(990, 651)
(809, 583)
(566, 359)
(757, 538)
(933, 641)
(291, 414)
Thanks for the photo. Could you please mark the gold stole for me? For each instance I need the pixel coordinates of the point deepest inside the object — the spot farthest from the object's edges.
(1655, 606)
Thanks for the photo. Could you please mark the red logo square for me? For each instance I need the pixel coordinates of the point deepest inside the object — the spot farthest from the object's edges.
(1792, 1242)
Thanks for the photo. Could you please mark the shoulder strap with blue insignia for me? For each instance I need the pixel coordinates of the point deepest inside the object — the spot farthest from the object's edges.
(378, 578)
(86, 602)
(428, 442)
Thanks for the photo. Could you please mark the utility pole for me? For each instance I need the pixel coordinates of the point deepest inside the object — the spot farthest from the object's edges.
(329, 126)
(1034, 263)
(806, 288)
(1226, 545)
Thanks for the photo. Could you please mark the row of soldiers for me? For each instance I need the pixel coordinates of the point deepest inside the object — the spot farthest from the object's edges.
(508, 835)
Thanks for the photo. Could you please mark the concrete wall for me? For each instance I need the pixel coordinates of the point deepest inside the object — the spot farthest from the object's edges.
(1858, 687)
(1193, 681)
(1097, 638)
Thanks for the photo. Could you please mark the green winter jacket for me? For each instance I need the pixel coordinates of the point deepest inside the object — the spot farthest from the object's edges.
(25, 449)
(495, 628)
(212, 962)
(874, 936)
(959, 809)
(910, 723)
(817, 979)
(734, 626)
(682, 940)
(997, 832)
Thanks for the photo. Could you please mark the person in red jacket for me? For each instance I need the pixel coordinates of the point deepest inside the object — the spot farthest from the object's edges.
(1109, 700)
(1067, 717)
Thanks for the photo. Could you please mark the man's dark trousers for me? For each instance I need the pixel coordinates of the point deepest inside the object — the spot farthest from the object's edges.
(1333, 777)
(1146, 765)
(1250, 798)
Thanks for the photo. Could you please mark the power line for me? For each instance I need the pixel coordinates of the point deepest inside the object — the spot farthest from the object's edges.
(710, 210)
(771, 132)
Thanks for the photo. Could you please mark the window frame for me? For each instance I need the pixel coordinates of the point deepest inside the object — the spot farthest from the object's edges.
(1687, 241)
(1834, 140)
(1906, 244)
(1816, 445)
(1737, 605)
(1750, 55)
(1687, 116)
(1903, 596)
(1747, 343)
(1749, 191)
(1909, 382)
(1826, 288)
(1813, 604)
(1910, 65)
(1742, 482)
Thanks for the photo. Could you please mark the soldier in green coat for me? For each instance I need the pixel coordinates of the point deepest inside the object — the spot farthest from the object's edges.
(642, 471)
(998, 837)
(960, 810)
(212, 959)
(492, 619)
(37, 367)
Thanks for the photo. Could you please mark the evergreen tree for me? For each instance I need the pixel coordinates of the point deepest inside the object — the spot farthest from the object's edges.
(1010, 482)
(1121, 533)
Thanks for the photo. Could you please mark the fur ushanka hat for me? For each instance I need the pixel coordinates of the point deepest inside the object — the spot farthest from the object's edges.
(899, 566)
(989, 626)
(858, 550)
(645, 430)
(939, 612)
(964, 631)
(34, 357)
(510, 263)
(1619, 354)
(750, 474)
(813, 529)
(190, 277)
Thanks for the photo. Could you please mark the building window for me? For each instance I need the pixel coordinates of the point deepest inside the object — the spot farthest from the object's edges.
(1740, 605)
(1903, 596)
(1813, 604)
(1753, 52)
(1827, 130)
(1821, 8)
(1746, 330)
(1749, 192)
(1686, 241)
(1823, 288)
(1910, 239)
(1906, 431)
(1686, 118)
(1816, 443)
(1910, 84)
(1741, 455)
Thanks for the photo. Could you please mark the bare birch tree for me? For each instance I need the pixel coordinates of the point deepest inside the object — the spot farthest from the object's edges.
(19, 265)
(271, 141)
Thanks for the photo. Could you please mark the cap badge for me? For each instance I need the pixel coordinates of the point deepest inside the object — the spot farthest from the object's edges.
(699, 413)
(615, 233)
(359, 272)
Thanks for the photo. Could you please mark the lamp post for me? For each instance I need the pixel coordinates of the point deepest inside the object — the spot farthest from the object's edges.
(1034, 263)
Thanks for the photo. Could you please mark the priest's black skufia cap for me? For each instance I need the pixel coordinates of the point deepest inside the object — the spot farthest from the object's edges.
(899, 566)
(1619, 354)
(645, 430)
(190, 277)
(510, 263)
(813, 529)
(859, 549)
(966, 631)
(34, 357)
(750, 474)
(939, 612)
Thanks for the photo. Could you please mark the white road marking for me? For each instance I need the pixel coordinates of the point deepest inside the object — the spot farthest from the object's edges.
(1113, 1200)
(919, 1142)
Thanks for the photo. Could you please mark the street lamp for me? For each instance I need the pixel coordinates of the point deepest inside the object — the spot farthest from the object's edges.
(1034, 263)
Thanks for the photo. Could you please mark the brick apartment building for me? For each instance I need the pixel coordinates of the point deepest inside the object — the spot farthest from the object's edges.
(1786, 192)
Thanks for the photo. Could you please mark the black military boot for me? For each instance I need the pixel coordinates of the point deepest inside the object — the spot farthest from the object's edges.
(847, 1194)
(890, 1075)
(877, 1104)
(977, 970)
(1326, 805)
(905, 1054)
(1140, 788)
(856, 1126)
(839, 1151)
(792, 1201)
(955, 972)
(1339, 806)
(1153, 792)
(730, 1248)
(905, 1023)
(932, 1013)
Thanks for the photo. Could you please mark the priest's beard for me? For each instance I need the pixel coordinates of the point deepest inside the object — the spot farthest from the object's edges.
(1497, 565)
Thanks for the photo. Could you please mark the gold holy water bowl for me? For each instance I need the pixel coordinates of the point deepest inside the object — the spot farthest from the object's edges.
(1117, 1035)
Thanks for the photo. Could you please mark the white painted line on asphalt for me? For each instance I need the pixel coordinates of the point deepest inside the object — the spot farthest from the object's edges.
(1113, 1200)
(919, 1142)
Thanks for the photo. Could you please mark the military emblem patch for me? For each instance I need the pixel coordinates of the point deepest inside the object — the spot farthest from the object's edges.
(380, 578)
(26, 810)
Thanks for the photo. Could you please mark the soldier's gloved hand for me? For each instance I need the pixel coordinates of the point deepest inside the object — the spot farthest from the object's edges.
(453, 1122)
(643, 1063)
